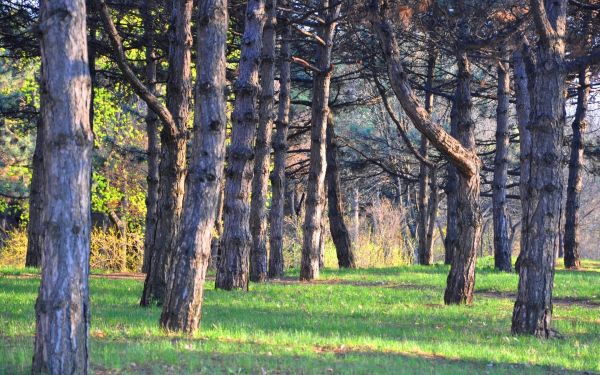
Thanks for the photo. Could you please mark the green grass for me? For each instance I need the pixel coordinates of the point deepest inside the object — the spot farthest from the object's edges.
(386, 320)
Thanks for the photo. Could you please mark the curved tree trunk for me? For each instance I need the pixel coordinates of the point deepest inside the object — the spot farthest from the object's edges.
(533, 308)
(153, 149)
(315, 195)
(461, 279)
(35, 227)
(258, 207)
(337, 225)
(575, 183)
(183, 301)
(278, 180)
(233, 266)
(62, 306)
(173, 152)
(502, 250)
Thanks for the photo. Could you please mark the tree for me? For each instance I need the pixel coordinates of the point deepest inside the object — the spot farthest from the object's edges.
(62, 307)
(258, 208)
(315, 197)
(233, 264)
(183, 302)
(35, 227)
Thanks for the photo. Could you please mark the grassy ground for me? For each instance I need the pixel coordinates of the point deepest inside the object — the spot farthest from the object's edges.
(388, 320)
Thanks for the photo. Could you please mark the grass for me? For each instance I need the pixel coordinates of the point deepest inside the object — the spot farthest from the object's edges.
(385, 320)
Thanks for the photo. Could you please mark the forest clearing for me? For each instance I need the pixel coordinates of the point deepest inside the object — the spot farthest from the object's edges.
(299, 186)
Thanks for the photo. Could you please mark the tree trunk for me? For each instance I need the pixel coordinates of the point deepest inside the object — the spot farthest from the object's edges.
(62, 306)
(337, 225)
(425, 253)
(533, 308)
(233, 266)
(502, 250)
(35, 228)
(432, 209)
(315, 197)
(278, 180)
(215, 242)
(258, 208)
(173, 153)
(355, 216)
(183, 302)
(575, 183)
(153, 149)
(451, 240)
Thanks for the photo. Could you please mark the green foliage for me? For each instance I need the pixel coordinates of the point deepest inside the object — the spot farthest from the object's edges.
(365, 321)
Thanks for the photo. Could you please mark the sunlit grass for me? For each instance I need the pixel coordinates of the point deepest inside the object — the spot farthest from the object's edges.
(386, 320)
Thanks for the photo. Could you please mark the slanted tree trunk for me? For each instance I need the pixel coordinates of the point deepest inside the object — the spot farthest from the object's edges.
(153, 148)
(258, 207)
(502, 250)
(575, 182)
(461, 279)
(278, 180)
(62, 306)
(35, 227)
(173, 152)
(183, 301)
(233, 266)
(337, 225)
(315, 195)
(425, 253)
(533, 308)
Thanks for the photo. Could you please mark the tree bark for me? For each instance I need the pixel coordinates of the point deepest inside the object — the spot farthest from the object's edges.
(233, 266)
(183, 302)
(502, 250)
(258, 207)
(173, 153)
(35, 228)
(432, 209)
(62, 306)
(315, 197)
(575, 182)
(461, 279)
(532, 313)
(280, 146)
(337, 225)
(425, 253)
(153, 148)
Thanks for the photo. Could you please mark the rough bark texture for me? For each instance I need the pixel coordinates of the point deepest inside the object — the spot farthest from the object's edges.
(153, 148)
(233, 265)
(262, 160)
(502, 250)
(575, 182)
(461, 279)
(62, 306)
(533, 308)
(35, 228)
(315, 195)
(337, 225)
(425, 253)
(451, 187)
(173, 152)
(183, 302)
(280, 145)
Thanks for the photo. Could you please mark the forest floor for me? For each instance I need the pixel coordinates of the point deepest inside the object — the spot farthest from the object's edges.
(366, 321)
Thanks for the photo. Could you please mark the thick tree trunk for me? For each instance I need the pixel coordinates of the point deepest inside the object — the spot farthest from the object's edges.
(575, 183)
(425, 253)
(278, 180)
(533, 308)
(153, 148)
(62, 306)
(502, 250)
(461, 279)
(451, 240)
(233, 266)
(315, 195)
(183, 302)
(173, 152)
(337, 225)
(258, 207)
(35, 227)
